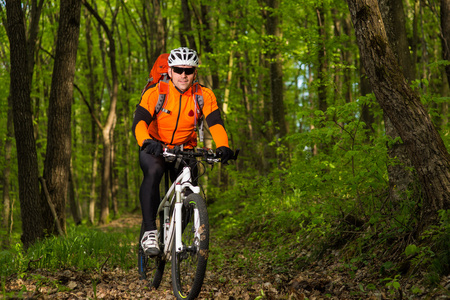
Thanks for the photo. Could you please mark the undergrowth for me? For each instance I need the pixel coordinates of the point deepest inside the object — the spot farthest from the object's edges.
(84, 248)
(292, 229)
(319, 207)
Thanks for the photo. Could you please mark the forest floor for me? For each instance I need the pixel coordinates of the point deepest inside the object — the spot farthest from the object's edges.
(235, 273)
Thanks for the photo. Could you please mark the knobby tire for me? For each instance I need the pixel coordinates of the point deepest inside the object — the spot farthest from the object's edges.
(189, 266)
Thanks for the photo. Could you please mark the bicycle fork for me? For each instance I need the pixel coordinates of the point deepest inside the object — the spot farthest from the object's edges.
(178, 213)
(175, 223)
(182, 182)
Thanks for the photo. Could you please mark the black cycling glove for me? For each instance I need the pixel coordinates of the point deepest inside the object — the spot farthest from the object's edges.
(225, 154)
(152, 147)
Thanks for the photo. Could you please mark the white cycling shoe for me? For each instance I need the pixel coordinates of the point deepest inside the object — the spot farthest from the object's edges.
(149, 243)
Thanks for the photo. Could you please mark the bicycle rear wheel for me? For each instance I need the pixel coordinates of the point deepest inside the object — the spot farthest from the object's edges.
(152, 266)
(189, 265)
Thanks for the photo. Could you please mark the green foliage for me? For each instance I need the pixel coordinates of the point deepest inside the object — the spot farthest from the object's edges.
(436, 256)
(393, 284)
(307, 197)
(84, 248)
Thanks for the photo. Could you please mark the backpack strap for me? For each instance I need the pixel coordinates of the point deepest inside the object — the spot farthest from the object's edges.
(163, 91)
(198, 98)
(199, 102)
(150, 82)
(165, 78)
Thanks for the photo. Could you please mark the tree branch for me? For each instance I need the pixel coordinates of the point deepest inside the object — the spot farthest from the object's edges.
(99, 124)
(52, 207)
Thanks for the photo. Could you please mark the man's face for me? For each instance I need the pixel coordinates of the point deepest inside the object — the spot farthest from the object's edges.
(182, 76)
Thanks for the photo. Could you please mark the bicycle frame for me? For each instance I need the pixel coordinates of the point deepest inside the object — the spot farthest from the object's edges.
(175, 193)
(184, 227)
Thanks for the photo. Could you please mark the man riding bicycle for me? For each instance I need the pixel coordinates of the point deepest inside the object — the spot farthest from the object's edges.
(174, 125)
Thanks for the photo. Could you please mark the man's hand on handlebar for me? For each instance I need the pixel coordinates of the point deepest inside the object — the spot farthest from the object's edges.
(222, 154)
(152, 147)
(225, 154)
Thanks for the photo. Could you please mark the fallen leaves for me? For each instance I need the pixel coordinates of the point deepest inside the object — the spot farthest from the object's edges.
(237, 269)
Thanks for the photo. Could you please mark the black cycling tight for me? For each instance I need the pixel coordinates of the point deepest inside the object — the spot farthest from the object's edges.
(153, 168)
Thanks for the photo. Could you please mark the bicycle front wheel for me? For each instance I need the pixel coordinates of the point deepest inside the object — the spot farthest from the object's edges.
(189, 265)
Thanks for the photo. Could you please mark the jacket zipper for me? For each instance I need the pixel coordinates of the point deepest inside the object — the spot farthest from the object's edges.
(176, 124)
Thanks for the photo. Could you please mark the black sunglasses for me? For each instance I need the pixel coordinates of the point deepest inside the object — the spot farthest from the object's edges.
(188, 71)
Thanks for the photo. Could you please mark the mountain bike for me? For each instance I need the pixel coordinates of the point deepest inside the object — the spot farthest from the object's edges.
(183, 229)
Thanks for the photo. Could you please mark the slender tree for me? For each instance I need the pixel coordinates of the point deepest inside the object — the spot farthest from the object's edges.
(187, 37)
(322, 68)
(32, 225)
(445, 35)
(57, 159)
(32, 36)
(276, 68)
(94, 107)
(109, 126)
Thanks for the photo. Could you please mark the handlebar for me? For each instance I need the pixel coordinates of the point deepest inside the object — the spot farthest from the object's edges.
(207, 155)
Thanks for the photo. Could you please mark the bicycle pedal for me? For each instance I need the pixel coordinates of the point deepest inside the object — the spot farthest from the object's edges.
(151, 253)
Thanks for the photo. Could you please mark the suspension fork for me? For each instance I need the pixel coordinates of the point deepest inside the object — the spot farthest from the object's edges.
(178, 216)
(183, 181)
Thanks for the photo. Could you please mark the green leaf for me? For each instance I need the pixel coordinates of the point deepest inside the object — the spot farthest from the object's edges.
(411, 250)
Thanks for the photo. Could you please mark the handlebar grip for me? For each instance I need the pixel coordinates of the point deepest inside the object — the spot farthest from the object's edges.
(236, 153)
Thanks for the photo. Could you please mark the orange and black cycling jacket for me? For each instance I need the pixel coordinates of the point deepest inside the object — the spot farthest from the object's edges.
(175, 123)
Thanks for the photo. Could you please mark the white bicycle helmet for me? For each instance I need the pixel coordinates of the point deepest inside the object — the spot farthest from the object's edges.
(183, 56)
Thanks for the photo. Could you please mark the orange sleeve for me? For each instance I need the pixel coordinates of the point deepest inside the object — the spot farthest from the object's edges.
(214, 119)
(143, 115)
(219, 135)
(141, 132)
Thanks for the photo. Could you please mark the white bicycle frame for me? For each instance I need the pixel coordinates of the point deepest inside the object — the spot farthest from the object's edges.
(175, 193)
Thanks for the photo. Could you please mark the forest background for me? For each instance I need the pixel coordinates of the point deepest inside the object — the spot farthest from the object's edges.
(326, 154)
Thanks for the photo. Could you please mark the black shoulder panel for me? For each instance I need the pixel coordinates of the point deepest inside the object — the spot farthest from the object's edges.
(214, 118)
(141, 114)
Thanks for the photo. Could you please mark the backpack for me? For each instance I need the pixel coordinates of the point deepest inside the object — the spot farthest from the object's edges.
(159, 74)
(159, 71)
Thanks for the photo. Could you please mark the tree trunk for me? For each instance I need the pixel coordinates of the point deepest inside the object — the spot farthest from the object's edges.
(125, 120)
(364, 88)
(92, 197)
(74, 204)
(321, 70)
(342, 27)
(445, 36)
(157, 34)
(108, 128)
(276, 70)
(57, 159)
(402, 105)
(93, 108)
(7, 173)
(106, 179)
(392, 13)
(32, 45)
(322, 62)
(401, 177)
(274, 61)
(32, 226)
(186, 37)
(207, 42)
(114, 178)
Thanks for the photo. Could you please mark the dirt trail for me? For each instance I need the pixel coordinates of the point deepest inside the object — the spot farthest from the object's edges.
(238, 270)
(229, 281)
